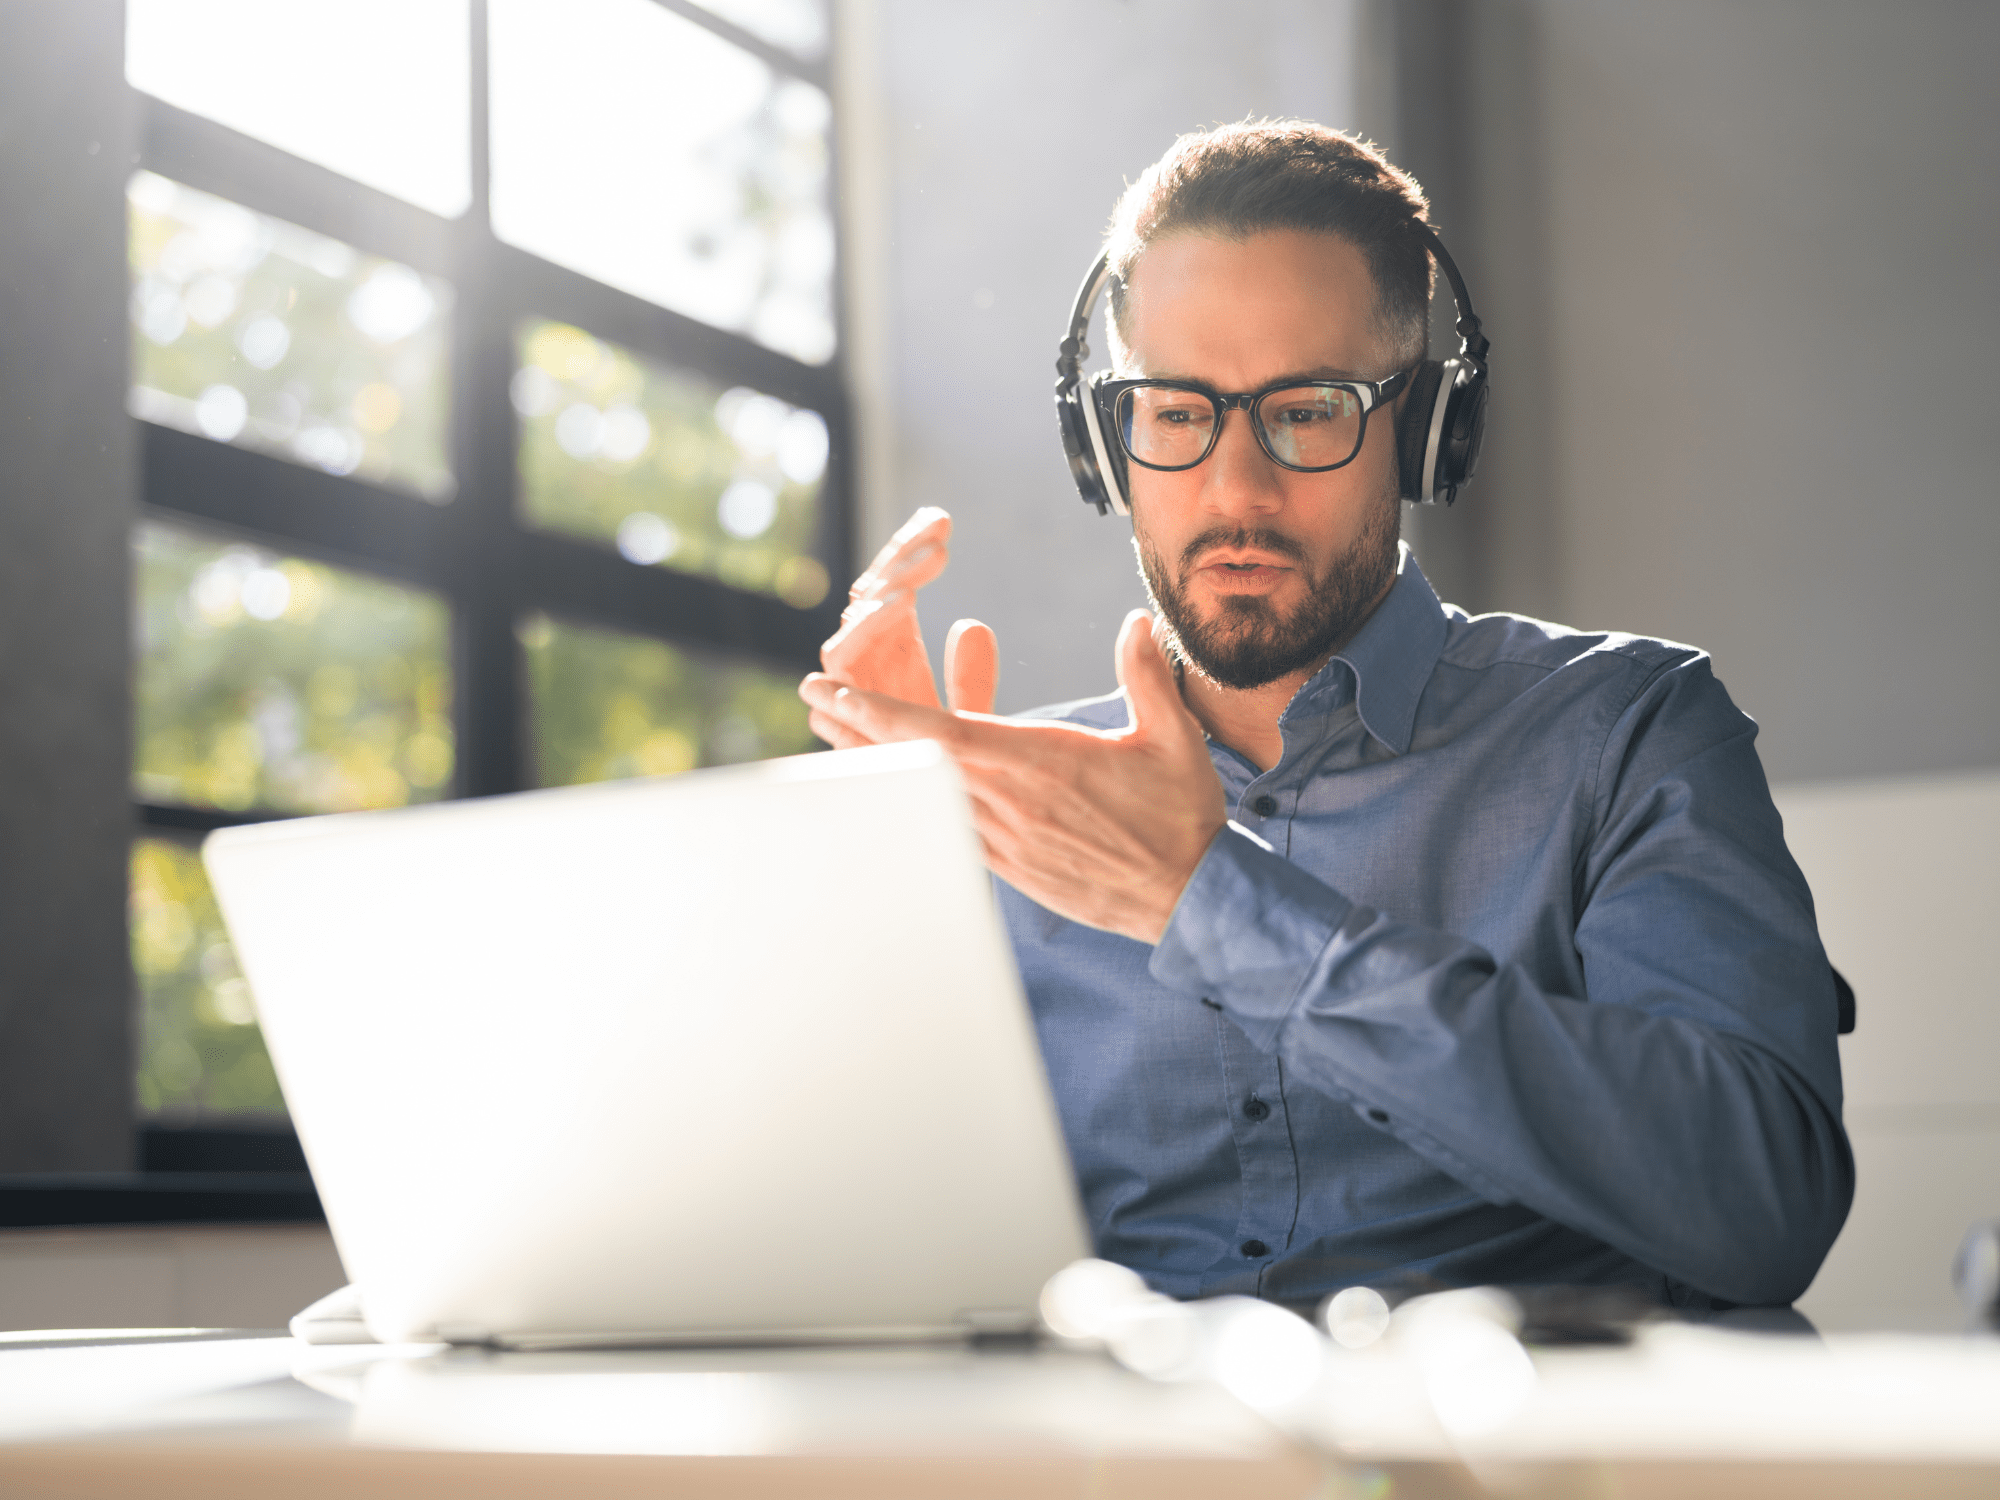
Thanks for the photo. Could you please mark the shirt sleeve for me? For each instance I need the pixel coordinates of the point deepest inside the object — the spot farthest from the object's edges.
(1685, 1110)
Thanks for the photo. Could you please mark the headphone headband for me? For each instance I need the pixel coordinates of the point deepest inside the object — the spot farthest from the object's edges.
(1438, 430)
(1472, 344)
(1075, 350)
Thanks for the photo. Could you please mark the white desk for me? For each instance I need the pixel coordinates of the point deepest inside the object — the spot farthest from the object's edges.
(268, 1417)
(1699, 1414)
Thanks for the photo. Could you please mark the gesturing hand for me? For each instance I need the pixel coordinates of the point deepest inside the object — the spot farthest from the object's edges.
(1101, 826)
(879, 646)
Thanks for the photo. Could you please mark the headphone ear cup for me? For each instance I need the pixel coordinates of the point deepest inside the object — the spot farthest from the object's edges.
(1103, 444)
(1413, 427)
(1465, 430)
(1077, 447)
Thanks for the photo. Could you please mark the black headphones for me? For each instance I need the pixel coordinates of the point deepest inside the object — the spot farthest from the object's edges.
(1438, 431)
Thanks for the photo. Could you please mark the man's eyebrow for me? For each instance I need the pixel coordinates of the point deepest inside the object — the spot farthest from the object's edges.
(1324, 372)
(1294, 377)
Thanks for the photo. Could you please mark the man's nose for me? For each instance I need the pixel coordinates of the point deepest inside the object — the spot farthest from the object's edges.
(1239, 478)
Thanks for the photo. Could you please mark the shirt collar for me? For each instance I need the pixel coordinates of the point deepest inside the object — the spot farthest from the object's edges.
(1391, 656)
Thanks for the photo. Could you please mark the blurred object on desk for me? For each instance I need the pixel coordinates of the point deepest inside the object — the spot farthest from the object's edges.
(1976, 1274)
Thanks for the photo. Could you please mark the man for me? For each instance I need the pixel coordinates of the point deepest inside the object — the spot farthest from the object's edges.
(1368, 941)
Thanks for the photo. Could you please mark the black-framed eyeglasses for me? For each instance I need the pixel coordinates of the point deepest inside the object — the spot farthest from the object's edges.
(1306, 425)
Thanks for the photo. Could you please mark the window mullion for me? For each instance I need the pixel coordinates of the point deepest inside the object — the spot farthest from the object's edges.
(215, 159)
(488, 703)
(777, 57)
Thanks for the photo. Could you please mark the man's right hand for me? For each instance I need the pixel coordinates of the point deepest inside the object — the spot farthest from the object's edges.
(879, 645)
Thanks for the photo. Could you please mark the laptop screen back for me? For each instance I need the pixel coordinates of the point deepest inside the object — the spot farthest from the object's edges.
(740, 1053)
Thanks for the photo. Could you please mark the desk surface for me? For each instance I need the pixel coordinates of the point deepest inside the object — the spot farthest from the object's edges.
(1698, 1412)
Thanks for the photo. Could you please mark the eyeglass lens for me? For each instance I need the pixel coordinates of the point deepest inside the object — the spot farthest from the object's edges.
(1307, 426)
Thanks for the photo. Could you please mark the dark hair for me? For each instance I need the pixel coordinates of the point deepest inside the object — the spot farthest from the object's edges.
(1256, 175)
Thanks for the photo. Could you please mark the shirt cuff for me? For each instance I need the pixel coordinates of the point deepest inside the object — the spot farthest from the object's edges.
(1248, 932)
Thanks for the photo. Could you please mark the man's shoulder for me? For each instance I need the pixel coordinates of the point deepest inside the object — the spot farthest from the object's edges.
(1574, 703)
(1521, 650)
(1478, 643)
(1565, 680)
(1105, 712)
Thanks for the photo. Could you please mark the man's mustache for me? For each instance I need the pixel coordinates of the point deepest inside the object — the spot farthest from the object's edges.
(1242, 539)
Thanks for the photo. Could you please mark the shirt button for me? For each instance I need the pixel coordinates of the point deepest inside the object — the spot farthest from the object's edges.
(1254, 1249)
(1264, 806)
(1379, 1116)
(1256, 1109)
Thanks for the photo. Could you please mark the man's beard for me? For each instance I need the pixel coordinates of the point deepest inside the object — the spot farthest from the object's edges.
(1247, 642)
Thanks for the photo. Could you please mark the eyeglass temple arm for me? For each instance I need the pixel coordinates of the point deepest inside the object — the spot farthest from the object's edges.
(1388, 390)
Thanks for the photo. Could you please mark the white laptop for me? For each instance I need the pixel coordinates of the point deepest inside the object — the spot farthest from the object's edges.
(736, 1055)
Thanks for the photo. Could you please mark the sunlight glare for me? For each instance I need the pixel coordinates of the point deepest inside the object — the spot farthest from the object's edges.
(639, 148)
(376, 90)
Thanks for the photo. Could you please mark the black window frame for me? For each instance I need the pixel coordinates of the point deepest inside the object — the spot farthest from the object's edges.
(476, 552)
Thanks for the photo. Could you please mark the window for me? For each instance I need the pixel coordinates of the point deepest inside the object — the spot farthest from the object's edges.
(607, 705)
(490, 429)
(199, 1050)
(670, 467)
(253, 331)
(645, 150)
(279, 684)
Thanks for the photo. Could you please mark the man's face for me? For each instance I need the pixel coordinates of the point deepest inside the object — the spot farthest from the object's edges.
(1261, 571)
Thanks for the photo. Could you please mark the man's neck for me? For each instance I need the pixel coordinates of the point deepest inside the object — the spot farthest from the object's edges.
(1246, 719)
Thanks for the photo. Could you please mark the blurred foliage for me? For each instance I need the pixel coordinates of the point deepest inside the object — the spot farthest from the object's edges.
(200, 1051)
(271, 682)
(669, 467)
(609, 705)
(253, 331)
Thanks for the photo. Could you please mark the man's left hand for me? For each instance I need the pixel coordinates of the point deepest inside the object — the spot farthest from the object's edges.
(1101, 826)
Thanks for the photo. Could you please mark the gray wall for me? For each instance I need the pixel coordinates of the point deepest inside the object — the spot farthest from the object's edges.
(1736, 264)
(985, 147)
(1730, 257)
(66, 508)
(164, 1275)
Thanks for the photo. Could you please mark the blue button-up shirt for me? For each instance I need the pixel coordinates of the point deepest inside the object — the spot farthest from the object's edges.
(1501, 974)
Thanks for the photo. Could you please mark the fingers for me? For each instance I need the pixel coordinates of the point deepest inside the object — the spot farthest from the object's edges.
(835, 733)
(873, 718)
(864, 618)
(971, 667)
(974, 740)
(911, 558)
(925, 518)
(904, 573)
(1151, 690)
(878, 644)
(978, 742)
